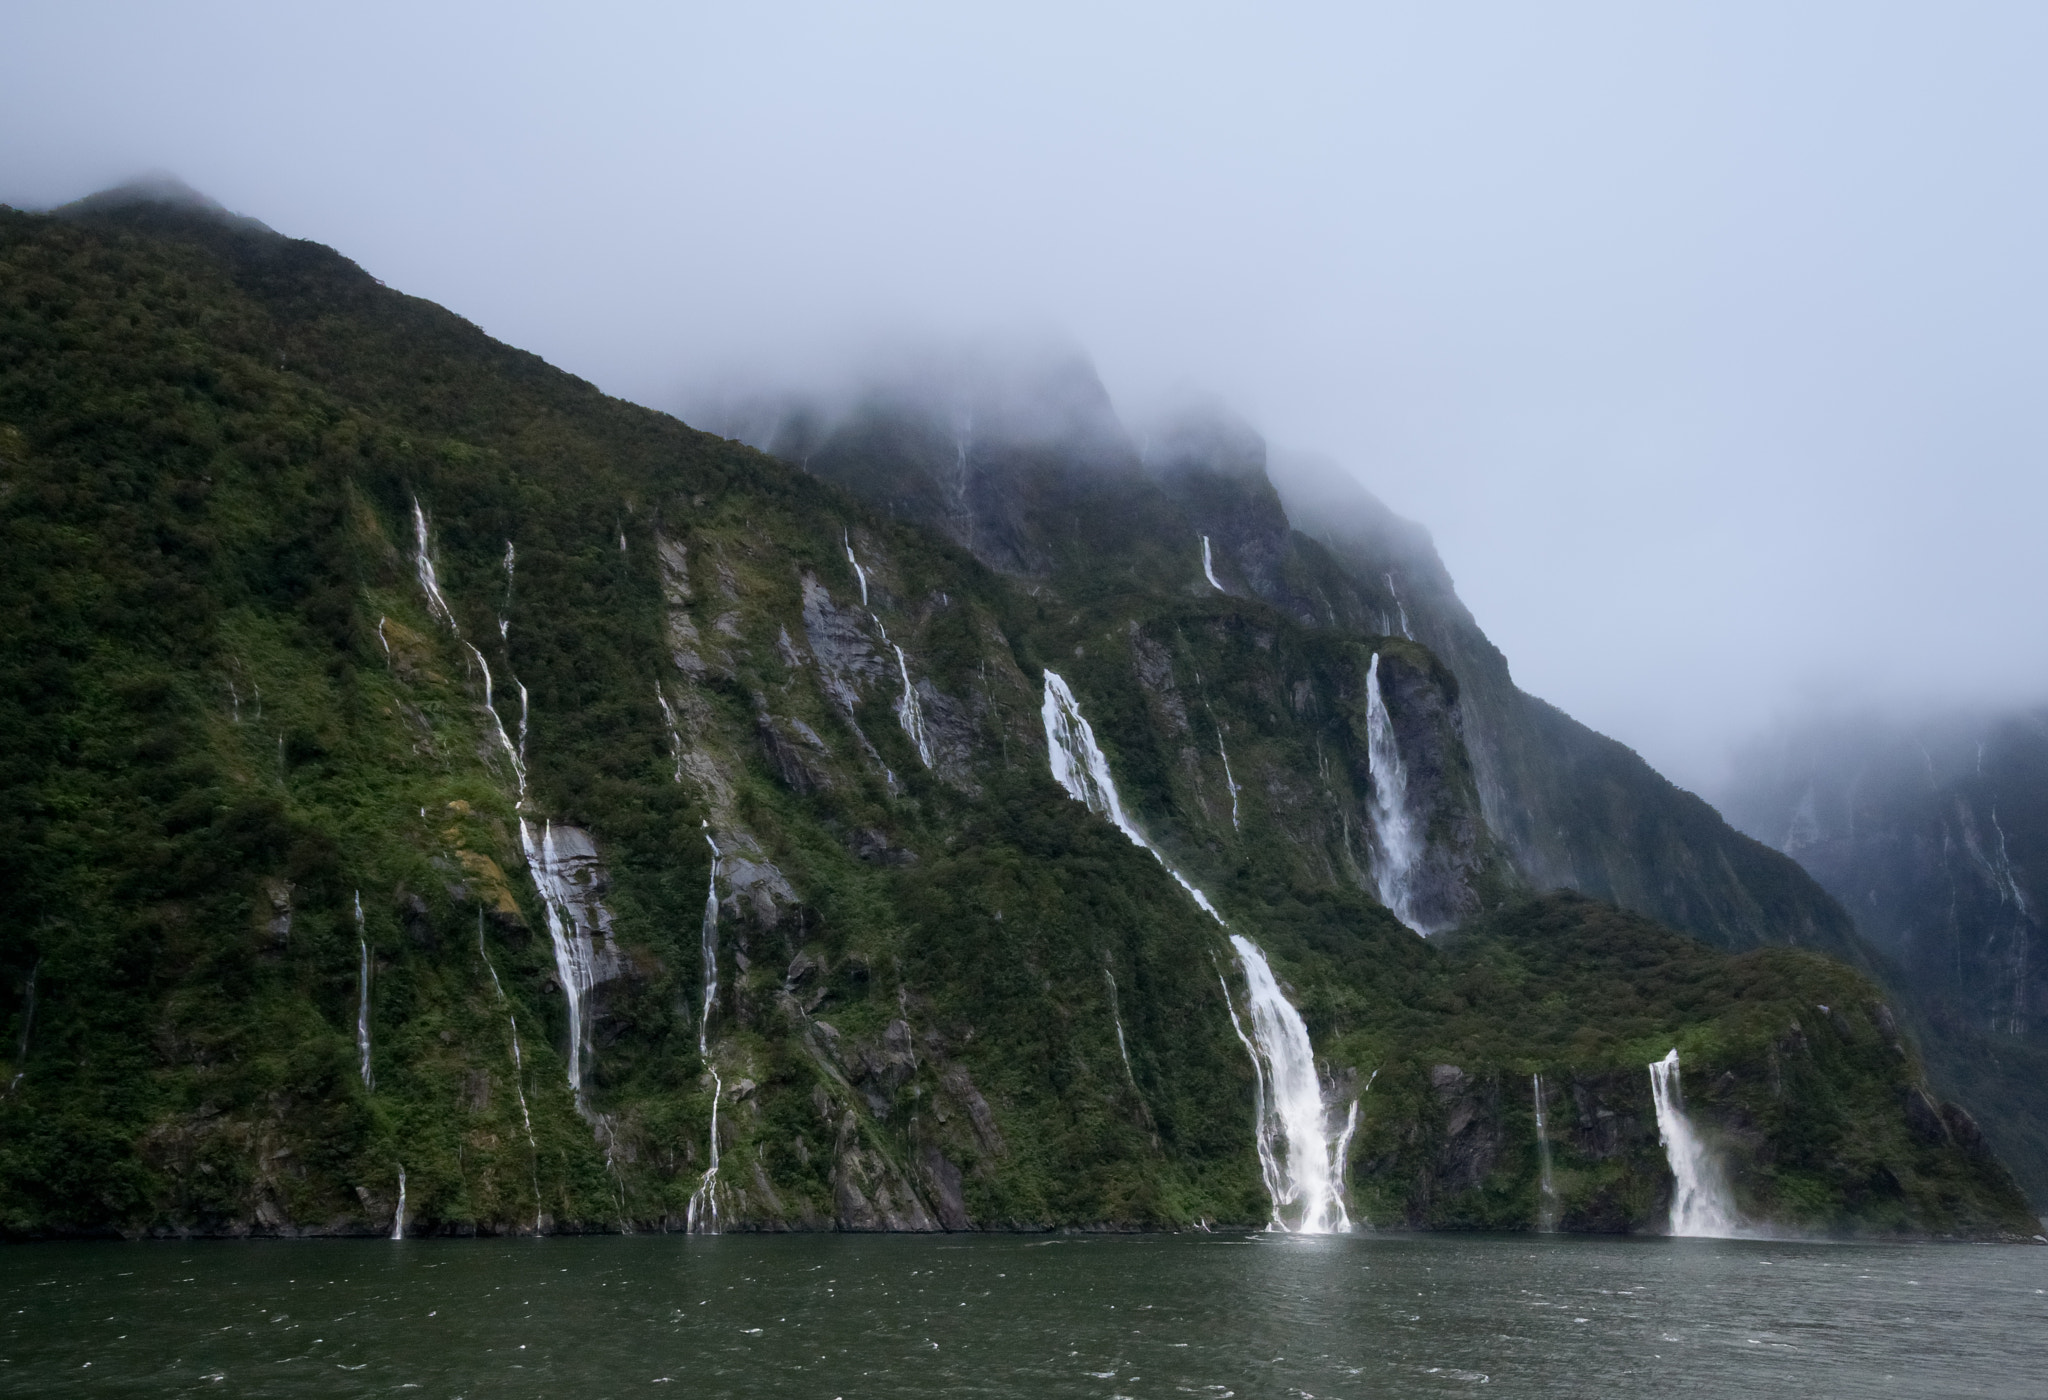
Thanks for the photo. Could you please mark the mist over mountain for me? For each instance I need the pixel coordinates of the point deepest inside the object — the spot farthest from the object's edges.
(439, 797)
(1932, 831)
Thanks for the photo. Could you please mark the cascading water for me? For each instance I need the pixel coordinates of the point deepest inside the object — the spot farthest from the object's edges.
(1700, 1204)
(702, 1216)
(910, 713)
(675, 735)
(1546, 1206)
(1400, 844)
(363, 996)
(1228, 780)
(1399, 607)
(1209, 566)
(575, 958)
(1078, 765)
(1301, 1166)
(708, 936)
(398, 1220)
(858, 571)
(1116, 1015)
(423, 563)
(513, 752)
(1303, 1178)
(518, 1067)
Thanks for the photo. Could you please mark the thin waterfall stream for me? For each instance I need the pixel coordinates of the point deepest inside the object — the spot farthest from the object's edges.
(1394, 827)
(1302, 1167)
(363, 996)
(1209, 566)
(1546, 1205)
(398, 1220)
(1700, 1202)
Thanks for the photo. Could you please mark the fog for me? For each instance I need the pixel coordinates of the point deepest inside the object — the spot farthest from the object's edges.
(1706, 339)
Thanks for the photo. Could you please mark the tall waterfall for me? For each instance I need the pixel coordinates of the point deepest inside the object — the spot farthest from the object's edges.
(1078, 765)
(575, 959)
(910, 712)
(1546, 1205)
(1303, 1174)
(1209, 566)
(858, 571)
(515, 753)
(1700, 1203)
(708, 936)
(1400, 844)
(398, 1220)
(1399, 607)
(423, 564)
(363, 997)
(702, 1215)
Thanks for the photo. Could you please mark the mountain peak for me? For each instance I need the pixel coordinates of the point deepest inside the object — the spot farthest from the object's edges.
(159, 190)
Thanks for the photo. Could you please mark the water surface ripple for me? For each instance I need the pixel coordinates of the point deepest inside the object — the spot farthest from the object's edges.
(1022, 1316)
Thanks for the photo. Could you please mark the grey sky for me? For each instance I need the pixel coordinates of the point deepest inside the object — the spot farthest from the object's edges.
(1706, 338)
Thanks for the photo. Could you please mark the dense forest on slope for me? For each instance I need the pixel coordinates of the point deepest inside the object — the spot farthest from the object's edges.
(337, 634)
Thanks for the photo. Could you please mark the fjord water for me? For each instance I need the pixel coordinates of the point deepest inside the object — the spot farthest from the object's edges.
(1022, 1316)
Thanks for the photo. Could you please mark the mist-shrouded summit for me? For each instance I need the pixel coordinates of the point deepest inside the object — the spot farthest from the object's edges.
(444, 798)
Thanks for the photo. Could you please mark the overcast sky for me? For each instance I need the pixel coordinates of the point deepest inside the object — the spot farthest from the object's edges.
(1707, 339)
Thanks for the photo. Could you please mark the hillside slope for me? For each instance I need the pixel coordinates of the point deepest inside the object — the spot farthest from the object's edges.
(428, 780)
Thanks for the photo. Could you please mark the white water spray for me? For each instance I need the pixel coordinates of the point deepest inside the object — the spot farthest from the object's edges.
(1079, 766)
(363, 996)
(575, 957)
(423, 563)
(910, 713)
(858, 571)
(1400, 844)
(702, 1216)
(398, 1220)
(1700, 1204)
(1295, 1152)
(709, 938)
(513, 752)
(1546, 1206)
(1209, 566)
(1303, 1173)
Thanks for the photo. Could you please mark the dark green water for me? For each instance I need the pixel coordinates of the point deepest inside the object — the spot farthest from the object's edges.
(1166, 1316)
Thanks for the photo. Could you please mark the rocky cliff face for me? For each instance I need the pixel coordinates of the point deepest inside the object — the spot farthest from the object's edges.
(1934, 835)
(414, 759)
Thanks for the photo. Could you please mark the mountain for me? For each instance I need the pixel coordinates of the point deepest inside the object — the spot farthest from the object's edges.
(439, 796)
(1934, 834)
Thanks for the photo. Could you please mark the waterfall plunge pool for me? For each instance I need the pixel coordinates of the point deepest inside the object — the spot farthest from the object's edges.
(1022, 1316)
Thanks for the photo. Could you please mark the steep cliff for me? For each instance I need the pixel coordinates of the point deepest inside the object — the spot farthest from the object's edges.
(1934, 835)
(419, 767)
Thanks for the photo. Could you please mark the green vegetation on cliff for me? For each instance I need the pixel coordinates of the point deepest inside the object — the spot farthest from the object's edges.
(232, 714)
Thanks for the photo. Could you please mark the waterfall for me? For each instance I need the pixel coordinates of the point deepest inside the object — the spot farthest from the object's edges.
(518, 1067)
(574, 956)
(1546, 1208)
(702, 1216)
(1229, 781)
(1078, 765)
(858, 571)
(1398, 607)
(1700, 1204)
(675, 735)
(363, 997)
(398, 1220)
(1303, 1174)
(1289, 1096)
(515, 754)
(909, 713)
(1209, 566)
(1116, 1015)
(1400, 844)
(423, 564)
(709, 938)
